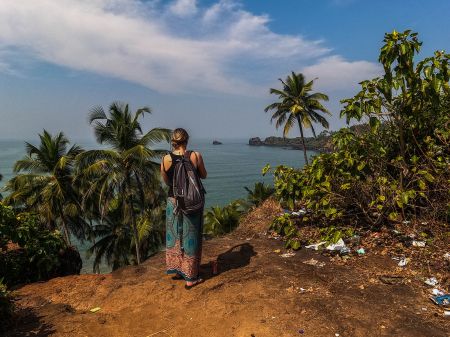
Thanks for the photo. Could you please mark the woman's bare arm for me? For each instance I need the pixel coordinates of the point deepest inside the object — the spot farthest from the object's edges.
(163, 171)
(199, 163)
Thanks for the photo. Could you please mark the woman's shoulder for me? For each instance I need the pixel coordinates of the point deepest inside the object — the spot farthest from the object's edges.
(197, 153)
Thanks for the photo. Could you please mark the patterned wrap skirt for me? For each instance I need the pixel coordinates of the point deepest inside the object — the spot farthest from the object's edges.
(183, 242)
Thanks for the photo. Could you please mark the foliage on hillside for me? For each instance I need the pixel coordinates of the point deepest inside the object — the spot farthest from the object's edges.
(222, 220)
(28, 251)
(111, 197)
(397, 170)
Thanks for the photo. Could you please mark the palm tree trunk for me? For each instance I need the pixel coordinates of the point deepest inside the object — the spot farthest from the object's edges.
(303, 139)
(65, 230)
(133, 221)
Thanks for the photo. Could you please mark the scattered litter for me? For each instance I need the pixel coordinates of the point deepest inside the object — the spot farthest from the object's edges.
(432, 281)
(301, 331)
(388, 279)
(424, 309)
(406, 222)
(443, 300)
(447, 256)
(291, 254)
(336, 246)
(361, 251)
(277, 251)
(418, 243)
(95, 309)
(403, 262)
(437, 292)
(303, 290)
(344, 251)
(299, 212)
(316, 245)
(446, 313)
(314, 262)
(336, 334)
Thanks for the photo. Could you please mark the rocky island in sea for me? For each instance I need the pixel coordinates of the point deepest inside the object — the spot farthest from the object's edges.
(216, 142)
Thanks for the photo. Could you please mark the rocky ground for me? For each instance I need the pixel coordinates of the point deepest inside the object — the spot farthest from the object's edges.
(257, 292)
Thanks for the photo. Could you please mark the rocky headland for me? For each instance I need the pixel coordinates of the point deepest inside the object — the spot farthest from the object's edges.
(321, 143)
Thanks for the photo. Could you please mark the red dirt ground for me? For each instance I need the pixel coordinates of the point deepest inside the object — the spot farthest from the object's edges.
(256, 293)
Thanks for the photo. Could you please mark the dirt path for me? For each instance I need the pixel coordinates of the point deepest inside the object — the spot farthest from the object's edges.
(257, 293)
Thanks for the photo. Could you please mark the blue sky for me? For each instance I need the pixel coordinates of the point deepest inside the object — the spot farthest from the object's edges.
(203, 65)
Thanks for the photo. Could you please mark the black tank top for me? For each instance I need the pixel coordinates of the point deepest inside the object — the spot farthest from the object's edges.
(170, 171)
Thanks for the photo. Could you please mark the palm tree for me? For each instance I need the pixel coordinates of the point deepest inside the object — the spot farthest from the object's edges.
(46, 186)
(114, 241)
(125, 172)
(220, 220)
(298, 105)
(259, 193)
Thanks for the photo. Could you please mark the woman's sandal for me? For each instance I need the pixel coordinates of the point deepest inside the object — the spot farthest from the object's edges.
(197, 282)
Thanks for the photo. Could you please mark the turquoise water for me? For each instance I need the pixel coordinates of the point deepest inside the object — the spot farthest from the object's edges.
(230, 166)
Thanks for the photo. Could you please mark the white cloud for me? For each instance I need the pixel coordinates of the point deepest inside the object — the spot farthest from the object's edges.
(336, 73)
(183, 7)
(179, 47)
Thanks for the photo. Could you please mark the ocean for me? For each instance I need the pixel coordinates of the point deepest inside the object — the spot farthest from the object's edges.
(231, 166)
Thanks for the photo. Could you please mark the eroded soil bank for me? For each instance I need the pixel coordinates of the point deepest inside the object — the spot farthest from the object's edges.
(256, 293)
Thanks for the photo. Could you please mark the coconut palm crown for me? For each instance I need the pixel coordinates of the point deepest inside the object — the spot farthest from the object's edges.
(44, 186)
(122, 176)
(298, 105)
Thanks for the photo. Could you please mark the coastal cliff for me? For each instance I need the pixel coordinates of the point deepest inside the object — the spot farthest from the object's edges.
(322, 143)
(261, 289)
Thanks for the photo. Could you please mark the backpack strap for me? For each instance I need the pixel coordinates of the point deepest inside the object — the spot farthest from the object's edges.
(187, 155)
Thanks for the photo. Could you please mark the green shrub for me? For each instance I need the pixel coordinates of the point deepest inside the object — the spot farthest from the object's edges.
(37, 252)
(222, 220)
(259, 193)
(395, 168)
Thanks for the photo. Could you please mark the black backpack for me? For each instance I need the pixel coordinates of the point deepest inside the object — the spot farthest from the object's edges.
(188, 189)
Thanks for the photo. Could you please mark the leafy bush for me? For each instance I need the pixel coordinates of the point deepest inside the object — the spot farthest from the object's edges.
(398, 167)
(37, 250)
(222, 220)
(259, 193)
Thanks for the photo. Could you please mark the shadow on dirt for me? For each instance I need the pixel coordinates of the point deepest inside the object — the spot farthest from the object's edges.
(234, 258)
(27, 323)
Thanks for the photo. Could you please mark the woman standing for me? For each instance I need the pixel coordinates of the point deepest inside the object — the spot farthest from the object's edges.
(183, 232)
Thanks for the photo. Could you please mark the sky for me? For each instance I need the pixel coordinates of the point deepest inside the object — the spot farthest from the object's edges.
(205, 65)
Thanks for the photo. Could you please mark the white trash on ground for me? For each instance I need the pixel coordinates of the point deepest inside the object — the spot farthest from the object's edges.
(432, 281)
(437, 292)
(316, 245)
(403, 262)
(418, 243)
(336, 246)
